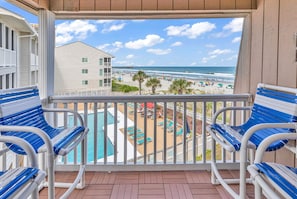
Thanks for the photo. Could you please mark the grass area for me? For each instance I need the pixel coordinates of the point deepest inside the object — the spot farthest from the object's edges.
(116, 87)
(208, 154)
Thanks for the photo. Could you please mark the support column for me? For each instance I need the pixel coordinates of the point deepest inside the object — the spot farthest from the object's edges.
(46, 41)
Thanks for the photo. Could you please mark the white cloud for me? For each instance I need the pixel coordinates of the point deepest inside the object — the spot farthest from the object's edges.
(148, 41)
(111, 48)
(189, 31)
(130, 56)
(220, 52)
(70, 30)
(214, 54)
(115, 27)
(178, 43)
(103, 46)
(233, 57)
(206, 59)
(236, 39)
(139, 20)
(235, 25)
(159, 51)
(104, 21)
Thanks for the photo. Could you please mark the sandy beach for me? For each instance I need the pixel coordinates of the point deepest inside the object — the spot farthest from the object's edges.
(198, 86)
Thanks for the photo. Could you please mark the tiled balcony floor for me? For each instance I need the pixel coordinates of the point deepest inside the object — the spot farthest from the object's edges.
(163, 184)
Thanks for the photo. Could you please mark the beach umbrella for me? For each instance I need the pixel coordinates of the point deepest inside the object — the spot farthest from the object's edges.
(187, 127)
(148, 105)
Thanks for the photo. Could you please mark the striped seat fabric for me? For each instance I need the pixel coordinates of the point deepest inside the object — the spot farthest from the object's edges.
(13, 180)
(270, 106)
(23, 108)
(284, 177)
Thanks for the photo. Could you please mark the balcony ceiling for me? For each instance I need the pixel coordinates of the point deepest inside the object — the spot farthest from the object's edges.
(119, 9)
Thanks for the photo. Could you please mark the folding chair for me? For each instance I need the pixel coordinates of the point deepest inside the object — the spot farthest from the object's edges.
(22, 115)
(274, 107)
(21, 182)
(273, 179)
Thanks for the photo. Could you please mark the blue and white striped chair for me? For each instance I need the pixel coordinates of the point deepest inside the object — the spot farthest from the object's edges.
(272, 179)
(21, 182)
(274, 111)
(22, 115)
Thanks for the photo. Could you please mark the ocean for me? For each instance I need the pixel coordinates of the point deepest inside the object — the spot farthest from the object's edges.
(219, 73)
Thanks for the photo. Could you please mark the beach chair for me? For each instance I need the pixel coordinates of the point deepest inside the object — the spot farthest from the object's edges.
(22, 115)
(141, 141)
(273, 107)
(272, 179)
(20, 182)
(139, 135)
(180, 132)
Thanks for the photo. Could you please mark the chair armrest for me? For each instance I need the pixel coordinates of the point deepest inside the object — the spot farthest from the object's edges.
(228, 109)
(267, 141)
(36, 131)
(66, 111)
(24, 145)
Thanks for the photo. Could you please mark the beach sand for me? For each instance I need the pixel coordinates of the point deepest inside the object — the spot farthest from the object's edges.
(208, 87)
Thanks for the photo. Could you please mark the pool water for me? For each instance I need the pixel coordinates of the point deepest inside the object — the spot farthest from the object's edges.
(90, 138)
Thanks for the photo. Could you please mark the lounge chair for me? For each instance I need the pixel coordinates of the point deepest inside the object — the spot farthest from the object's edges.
(22, 116)
(272, 179)
(180, 132)
(273, 107)
(21, 182)
(139, 135)
(141, 141)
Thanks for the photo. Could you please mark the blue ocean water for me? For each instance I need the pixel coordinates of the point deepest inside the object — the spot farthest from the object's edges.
(90, 138)
(222, 73)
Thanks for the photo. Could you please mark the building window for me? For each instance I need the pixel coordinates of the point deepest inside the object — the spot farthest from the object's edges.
(100, 72)
(101, 61)
(84, 59)
(85, 82)
(100, 83)
(6, 38)
(1, 39)
(84, 71)
(12, 40)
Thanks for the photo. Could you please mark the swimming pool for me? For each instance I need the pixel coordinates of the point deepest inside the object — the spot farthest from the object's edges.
(90, 138)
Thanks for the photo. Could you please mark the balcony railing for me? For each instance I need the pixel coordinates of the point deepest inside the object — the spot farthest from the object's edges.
(147, 132)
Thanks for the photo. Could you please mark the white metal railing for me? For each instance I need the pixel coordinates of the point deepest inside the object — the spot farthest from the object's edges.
(113, 142)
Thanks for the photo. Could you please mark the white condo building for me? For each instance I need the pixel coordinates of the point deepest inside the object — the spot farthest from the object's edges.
(82, 69)
(18, 51)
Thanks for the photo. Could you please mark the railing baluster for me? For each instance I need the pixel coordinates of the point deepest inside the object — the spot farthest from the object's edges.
(165, 133)
(174, 132)
(115, 133)
(125, 132)
(95, 142)
(105, 132)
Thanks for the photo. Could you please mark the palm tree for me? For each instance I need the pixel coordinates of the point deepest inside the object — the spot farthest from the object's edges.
(180, 86)
(154, 83)
(140, 76)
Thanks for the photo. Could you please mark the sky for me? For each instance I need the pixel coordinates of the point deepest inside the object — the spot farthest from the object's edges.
(166, 42)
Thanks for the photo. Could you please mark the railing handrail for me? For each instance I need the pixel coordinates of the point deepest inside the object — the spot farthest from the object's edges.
(153, 98)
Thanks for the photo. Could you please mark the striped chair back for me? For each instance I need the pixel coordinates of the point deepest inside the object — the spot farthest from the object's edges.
(22, 107)
(272, 104)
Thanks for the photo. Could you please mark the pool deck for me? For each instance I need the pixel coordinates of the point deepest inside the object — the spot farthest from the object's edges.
(120, 138)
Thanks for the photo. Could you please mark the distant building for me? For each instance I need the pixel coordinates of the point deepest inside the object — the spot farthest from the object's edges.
(18, 51)
(82, 69)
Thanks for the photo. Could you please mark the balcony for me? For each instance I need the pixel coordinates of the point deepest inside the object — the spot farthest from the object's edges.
(130, 148)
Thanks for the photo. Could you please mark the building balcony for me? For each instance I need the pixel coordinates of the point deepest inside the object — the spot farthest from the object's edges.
(147, 146)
